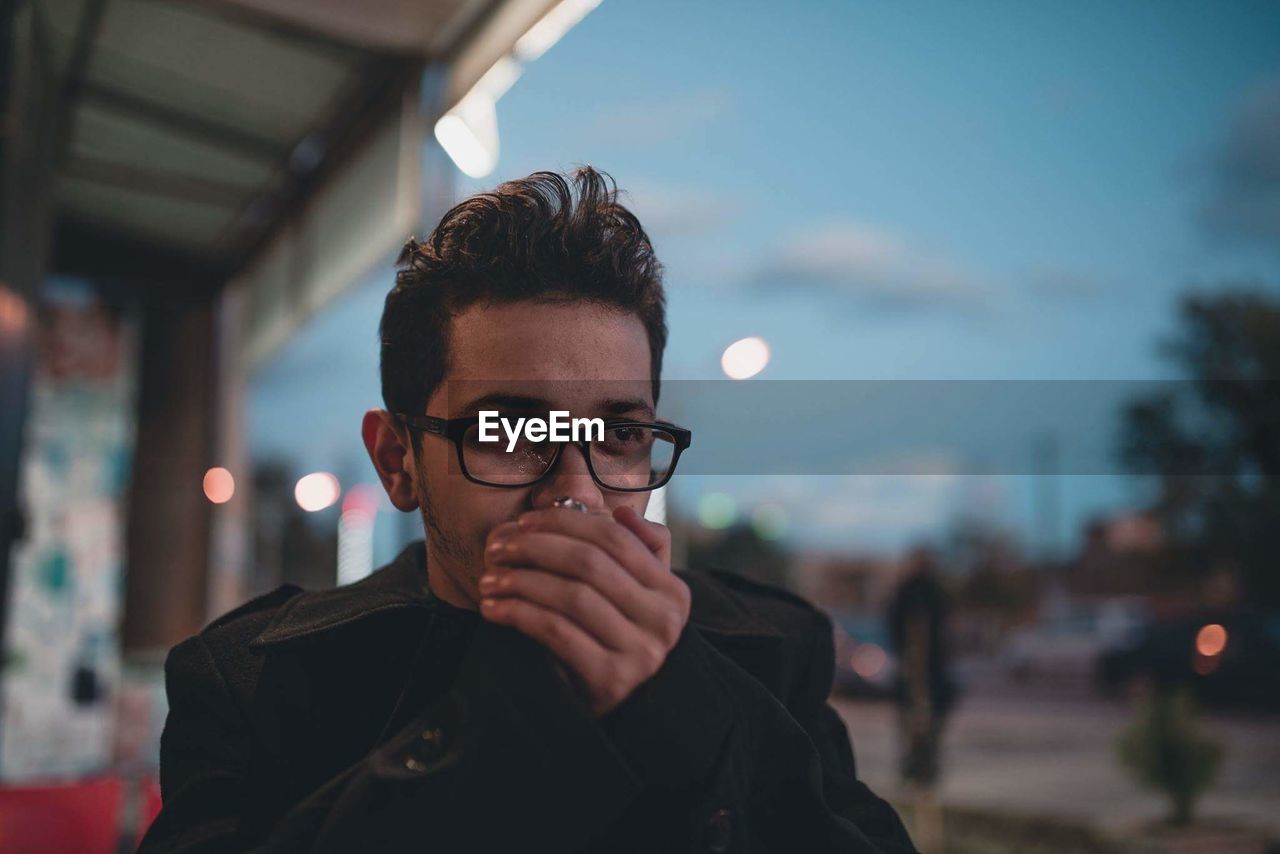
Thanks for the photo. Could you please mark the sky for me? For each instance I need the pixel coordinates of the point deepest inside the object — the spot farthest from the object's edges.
(901, 191)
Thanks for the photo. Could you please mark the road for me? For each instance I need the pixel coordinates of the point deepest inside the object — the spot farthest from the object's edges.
(1050, 751)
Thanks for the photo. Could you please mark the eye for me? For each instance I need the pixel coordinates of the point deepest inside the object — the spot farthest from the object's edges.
(626, 439)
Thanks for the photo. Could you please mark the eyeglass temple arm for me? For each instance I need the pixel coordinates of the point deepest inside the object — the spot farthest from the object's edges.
(429, 423)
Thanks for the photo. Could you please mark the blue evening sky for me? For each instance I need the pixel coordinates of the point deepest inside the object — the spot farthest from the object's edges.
(889, 190)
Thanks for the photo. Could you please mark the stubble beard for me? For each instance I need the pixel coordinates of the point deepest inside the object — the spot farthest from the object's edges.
(444, 542)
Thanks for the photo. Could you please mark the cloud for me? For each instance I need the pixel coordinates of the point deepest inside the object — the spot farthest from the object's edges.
(669, 211)
(651, 122)
(1242, 203)
(872, 269)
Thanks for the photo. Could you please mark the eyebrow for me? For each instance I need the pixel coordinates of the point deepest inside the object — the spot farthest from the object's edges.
(527, 403)
(627, 406)
(505, 401)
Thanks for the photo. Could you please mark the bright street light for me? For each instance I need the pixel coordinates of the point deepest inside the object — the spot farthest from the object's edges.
(316, 491)
(745, 358)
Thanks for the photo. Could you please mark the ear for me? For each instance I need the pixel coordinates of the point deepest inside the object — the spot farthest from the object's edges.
(387, 442)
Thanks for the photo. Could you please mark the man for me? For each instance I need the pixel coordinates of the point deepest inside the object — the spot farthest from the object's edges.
(534, 676)
(925, 693)
(917, 628)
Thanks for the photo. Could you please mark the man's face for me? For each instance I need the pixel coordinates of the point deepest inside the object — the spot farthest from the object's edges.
(525, 359)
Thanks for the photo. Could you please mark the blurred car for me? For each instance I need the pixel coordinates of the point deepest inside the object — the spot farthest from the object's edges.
(1224, 657)
(865, 666)
(1069, 641)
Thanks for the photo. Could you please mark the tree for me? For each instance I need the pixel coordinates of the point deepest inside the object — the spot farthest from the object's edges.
(1165, 749)
(1213, 442)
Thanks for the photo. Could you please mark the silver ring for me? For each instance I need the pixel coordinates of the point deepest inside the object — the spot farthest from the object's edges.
(571, 504)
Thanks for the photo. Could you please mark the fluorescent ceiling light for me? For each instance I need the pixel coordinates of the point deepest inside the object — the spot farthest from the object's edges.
(469, 132)
(498, 79)
(552, 27)
(469, 135)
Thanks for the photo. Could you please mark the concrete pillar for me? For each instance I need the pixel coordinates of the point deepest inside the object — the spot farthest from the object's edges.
(168, 532)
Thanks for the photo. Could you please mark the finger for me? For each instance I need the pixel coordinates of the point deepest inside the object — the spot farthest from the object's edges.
(658, 613)
(615, 539)
(501, 531)
(656, 537)
(583, 562)
(571, 644)
(586, 562)
(579, 602)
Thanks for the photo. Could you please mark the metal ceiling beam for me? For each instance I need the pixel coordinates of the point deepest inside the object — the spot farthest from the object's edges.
(182, 124)
(157, 182)
(91, 13)
(377, 90)
(40, 40)
(279, 28)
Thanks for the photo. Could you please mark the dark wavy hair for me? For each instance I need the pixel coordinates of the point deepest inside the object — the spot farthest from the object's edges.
(547, 237)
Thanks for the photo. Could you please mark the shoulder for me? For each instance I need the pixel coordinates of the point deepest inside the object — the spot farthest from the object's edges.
(728, 600)
(766, 595)
(233, 649)
(242, 624)
(774, 634)
(219, 654)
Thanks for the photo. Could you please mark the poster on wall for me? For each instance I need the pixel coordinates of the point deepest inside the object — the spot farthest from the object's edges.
(62, 660)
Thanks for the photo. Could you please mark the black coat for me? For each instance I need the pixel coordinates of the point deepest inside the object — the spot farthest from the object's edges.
(375, 717)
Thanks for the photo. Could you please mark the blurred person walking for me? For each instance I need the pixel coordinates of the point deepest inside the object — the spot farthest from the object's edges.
(917, 629)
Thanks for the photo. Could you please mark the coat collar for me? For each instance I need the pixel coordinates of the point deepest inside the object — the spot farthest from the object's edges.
(402, 584)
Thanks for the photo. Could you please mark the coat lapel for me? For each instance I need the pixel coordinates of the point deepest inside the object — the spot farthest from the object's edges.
(315, 643)
(402, 584)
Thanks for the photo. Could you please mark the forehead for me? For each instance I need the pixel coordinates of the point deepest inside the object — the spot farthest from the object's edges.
(581, 347)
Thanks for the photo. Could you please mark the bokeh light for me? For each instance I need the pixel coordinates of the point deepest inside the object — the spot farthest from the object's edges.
(769, 521)
(868, 660)
(1211, 640)
(316, 491)
(219, 485)
(745, 358)
(362, 499)
(717, 510)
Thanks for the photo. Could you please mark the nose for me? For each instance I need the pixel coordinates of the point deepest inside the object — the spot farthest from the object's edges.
(570, 478)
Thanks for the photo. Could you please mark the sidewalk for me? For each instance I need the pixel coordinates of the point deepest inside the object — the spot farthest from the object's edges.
(1056, 759)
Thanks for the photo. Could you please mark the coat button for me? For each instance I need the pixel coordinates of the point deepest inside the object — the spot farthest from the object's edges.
(424, 750)
(431, 743)
(720, 830)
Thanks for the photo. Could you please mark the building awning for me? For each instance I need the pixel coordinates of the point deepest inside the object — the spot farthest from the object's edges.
(201, 127)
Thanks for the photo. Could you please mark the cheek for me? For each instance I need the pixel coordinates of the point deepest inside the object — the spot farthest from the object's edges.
(468, 509)
(486, 508)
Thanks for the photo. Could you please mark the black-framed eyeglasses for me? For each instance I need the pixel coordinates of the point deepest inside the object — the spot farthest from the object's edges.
(632, 456)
